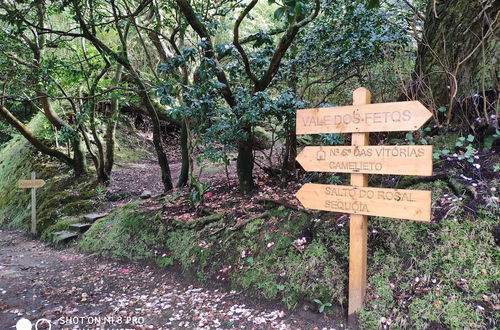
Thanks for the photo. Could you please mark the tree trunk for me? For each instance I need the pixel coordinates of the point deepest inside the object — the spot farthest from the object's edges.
(184, 173)
(291, 137)
(244, 162)
(79, 162)
(28, 134)
(79, 159)
(111, 123)
(290, 146)
(166, 175)
(185, 136)
(143, 95)
(449, 53)
(101, 175)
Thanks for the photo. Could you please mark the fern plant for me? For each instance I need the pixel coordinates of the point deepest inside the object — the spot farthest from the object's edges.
(197, 192)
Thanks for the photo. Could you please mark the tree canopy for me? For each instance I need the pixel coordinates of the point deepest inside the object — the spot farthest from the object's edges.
(220, 71)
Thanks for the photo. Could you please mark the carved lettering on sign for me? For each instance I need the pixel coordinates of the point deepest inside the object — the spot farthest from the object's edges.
(414, 160)
(378, 117)
(394, 203)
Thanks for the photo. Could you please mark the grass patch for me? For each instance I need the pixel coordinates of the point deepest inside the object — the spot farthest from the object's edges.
(423, 275)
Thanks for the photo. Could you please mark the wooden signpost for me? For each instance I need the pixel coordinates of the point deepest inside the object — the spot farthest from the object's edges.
(32, 184)
(360, 159)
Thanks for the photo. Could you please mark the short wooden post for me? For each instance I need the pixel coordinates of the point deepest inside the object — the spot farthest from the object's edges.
(33, 205)
(358, 225)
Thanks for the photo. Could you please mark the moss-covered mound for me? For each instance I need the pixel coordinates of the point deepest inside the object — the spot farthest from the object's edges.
(62, 196)
(127, 233)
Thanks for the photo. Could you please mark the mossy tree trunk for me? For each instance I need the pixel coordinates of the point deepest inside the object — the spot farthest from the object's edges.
(290, 146)
(184, 173)
(290, 153)
(449, 55)
(111, 123)
(245, 161)
(186, 142)
(30, 136)
(166, 175)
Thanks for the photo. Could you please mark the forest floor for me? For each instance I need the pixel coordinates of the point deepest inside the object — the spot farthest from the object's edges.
(38, 280)
(78, 290)
(141, 172)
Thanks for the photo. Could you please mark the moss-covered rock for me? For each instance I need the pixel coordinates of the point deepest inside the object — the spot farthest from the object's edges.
(78, 207)
(60, 225)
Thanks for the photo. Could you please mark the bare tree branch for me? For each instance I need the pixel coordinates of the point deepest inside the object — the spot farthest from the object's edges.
(236, 42)
(283, 45)
(254, 36)
(414, 10)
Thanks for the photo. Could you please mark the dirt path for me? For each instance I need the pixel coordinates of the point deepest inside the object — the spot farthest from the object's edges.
(74, 290)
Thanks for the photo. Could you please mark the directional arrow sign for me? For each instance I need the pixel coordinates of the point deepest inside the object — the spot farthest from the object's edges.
(403, 160)
(392, 203)
(377, 117)
(27, 184)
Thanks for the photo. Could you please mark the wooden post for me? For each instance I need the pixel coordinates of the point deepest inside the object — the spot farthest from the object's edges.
(358, 233)
(32, 184)
(33, 206)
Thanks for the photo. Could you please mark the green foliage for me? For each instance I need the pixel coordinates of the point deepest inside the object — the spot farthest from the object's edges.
(322, 305)
(291, 10)
(488, 140)
(463, 145)
(344, 41)
(198, 190)
(410, 139)
(164, 261)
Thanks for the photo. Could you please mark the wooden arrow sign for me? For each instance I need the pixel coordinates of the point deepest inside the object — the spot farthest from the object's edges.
(377, 117)
(392, 203)
(29, 184)
(402, 160)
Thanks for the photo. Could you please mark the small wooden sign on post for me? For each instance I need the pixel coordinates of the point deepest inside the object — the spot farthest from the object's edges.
(360, 159)
(32, 184)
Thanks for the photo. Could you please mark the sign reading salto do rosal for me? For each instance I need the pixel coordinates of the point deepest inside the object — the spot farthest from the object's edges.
(361, 159)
